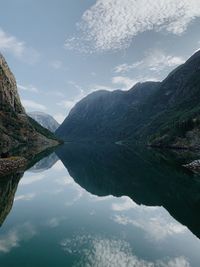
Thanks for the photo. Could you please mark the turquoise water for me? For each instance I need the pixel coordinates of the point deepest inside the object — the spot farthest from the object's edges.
(102, 205)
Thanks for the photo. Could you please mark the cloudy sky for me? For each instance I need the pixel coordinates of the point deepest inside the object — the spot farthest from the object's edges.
(61, 50)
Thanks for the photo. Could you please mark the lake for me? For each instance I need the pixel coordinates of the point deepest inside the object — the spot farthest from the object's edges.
(102, 205)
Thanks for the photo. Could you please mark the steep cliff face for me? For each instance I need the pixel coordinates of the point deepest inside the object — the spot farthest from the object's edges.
(9, 97)
(16, 127)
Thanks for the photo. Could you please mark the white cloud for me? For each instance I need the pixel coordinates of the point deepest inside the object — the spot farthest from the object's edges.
(15, 236)
(97, 251)
(11, 44)
(155, 60)
(97, 87)
(156, 228)
(76, 86)
(126, 82)
(69, 103)
(59, 117)
(58, 166)
(30, 104)
(56, 64)
(66, 180)
(112, 24)
(78, 195)
(122, 68)
(198, 47)
(32, 179)
(196, 50)
(26, 197)
(54, 222)
(127, 204)
(99, 199)
(176, 262)
(28, 88)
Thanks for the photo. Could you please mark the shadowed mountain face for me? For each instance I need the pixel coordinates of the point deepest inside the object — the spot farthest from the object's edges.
(104, 114)
(147, 177)
(163, 114)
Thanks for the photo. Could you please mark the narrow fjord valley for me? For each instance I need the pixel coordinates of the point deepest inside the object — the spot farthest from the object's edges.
(107, 135)
(100, 133)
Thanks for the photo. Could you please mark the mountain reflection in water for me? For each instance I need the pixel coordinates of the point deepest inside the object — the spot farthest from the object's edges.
(139, 185)
(148, 177)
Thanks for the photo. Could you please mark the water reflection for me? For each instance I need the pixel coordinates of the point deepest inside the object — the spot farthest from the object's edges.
(148, 177)
(101, 205)
(8, 187)
(45, 163)
(9, 183)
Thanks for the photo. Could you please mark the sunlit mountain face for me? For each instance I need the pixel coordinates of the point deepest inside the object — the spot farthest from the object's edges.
(98, 204)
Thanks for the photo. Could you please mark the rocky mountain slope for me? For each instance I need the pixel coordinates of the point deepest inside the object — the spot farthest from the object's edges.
(161, 114)
(46, 120)
(16, 127)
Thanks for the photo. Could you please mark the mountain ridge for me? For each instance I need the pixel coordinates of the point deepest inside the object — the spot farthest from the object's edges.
(115, 106)
(164, 114)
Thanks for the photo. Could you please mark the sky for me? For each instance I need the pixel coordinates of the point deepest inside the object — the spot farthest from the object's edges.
(62, 50)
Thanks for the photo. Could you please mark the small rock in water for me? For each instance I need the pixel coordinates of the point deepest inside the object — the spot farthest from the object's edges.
(195, 165)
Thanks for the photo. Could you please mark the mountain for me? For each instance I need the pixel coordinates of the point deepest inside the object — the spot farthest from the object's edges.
(103, 114)
(9, 97)
(161, 114)
(46, 120)
(171, 115)
(16, 127)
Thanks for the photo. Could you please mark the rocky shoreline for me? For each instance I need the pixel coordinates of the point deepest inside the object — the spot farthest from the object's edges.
(8, 165)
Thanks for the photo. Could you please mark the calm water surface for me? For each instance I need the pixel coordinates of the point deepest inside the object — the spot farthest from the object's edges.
(104, 206)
